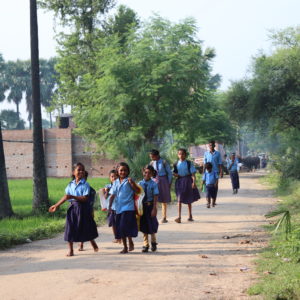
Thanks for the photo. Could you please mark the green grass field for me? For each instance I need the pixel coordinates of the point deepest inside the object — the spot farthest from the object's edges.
(26, 226)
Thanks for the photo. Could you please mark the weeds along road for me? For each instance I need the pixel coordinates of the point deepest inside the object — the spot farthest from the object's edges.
(193, 261)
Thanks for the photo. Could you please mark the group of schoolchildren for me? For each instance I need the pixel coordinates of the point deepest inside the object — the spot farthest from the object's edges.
(156, 184)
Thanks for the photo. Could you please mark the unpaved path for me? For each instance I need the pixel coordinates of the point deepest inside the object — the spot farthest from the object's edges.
(179, 270)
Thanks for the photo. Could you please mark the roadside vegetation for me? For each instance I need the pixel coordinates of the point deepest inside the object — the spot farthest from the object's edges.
(279, 264)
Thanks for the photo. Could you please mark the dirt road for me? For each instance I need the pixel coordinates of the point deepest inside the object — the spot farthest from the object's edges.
(193, 261)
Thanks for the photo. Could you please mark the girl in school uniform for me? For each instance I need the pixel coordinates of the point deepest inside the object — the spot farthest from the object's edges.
(80, 225)
(210, 180)
(148, 221)
(122, 192)
(185, 185)
(111, 217)
(163, 178)
(232, 166)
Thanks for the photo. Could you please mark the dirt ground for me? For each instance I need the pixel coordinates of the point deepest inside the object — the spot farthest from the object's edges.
(193, 261)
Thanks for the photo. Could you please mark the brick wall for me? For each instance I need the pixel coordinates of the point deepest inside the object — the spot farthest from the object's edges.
(62, 149)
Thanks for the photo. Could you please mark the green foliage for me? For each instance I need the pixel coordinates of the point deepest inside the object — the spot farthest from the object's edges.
(278, 265)
(284, 221)
(10, 120)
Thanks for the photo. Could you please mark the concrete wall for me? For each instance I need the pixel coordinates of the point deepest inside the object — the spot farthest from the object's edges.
(62, 150)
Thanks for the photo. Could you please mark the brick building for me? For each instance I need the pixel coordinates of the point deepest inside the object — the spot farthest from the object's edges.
(62, 150)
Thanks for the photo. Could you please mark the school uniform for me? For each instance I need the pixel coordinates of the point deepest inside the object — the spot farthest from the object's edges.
(234, 175)
(126, 225)
(214, 158)
(163, 179)
(183, 185)
(210, 178)
(148, 224)
(111, 217)
(80, 225)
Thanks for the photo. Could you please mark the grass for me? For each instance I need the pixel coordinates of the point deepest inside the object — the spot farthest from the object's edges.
(25, 226)
(279, 264)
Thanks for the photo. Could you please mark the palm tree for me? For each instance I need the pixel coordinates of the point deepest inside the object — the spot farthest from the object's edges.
(5, 205)
(40, 189)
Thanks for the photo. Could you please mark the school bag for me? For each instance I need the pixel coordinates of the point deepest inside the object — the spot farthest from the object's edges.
(164, 164)
(138, 201)
(188, 164)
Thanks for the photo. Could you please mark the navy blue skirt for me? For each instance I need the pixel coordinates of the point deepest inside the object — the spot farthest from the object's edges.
(235, 180)
(184, 191)
(80, 224)
(126, 225)
(148, 224)
(211, 191)
(111, 219)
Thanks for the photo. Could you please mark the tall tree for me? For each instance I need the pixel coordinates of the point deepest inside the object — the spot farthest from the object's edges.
(40, 189)
(3, 85)
(11, 120)
(5, 204)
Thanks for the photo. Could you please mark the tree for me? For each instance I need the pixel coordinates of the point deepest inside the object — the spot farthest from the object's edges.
(158, 81)
(11, 120)
(3, 85)
(40, 189)
(5, 204)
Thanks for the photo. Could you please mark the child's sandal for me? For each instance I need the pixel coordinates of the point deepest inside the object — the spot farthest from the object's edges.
(145, 249)
(153, 247)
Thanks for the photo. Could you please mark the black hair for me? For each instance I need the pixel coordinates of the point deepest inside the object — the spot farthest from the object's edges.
(79, 164)
(208, 165)
(123, 164)
(86, 175)
(149, 167)
(182, 150)
(154, 152)
(213, 142)
(113, 171)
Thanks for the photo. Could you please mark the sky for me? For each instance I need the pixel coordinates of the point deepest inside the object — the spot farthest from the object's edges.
(236, 29)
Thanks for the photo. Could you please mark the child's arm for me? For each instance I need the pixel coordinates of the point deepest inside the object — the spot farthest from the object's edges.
(216, 183)
(194, 181)
(53, 208)
(154, 210)
(78, 198)
(111, 200)
(133, 185)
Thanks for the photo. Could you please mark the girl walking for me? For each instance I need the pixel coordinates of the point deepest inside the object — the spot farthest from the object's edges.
(148, 221)
(122, 193)
(80, 225)
(111, 217)
(163, 178)
(210, 180)
(232, 166)
(185, 185)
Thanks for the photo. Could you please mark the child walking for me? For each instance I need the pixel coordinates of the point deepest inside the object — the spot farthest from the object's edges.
(232, 166)
(185, 185)
(122, 192)
(91, 201)
(80, 225)
(210, 180)
(111, 217)
(148, 221)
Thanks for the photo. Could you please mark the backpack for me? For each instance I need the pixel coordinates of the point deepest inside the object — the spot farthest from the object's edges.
(188, 165)
(164, 164)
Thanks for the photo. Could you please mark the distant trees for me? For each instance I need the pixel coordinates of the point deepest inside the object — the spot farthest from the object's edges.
(270, 98)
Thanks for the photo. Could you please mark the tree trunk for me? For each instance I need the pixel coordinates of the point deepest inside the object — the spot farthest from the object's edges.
(50, 116)
(40, 189)
(5, 205)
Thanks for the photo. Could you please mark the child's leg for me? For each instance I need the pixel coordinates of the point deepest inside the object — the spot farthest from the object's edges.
(178, 220)
(208, 202)
(94, 245)
(145, 243)
(114, 232)
(71, 250)
(125, 248)
(80, 247)
(153, 242)
(190, 212)
(164, 211)
(131, 244)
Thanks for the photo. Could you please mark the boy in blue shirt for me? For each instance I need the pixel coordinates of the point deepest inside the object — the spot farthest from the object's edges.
(210, 179)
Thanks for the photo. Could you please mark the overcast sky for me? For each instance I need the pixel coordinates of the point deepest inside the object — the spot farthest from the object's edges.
(237, 29)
